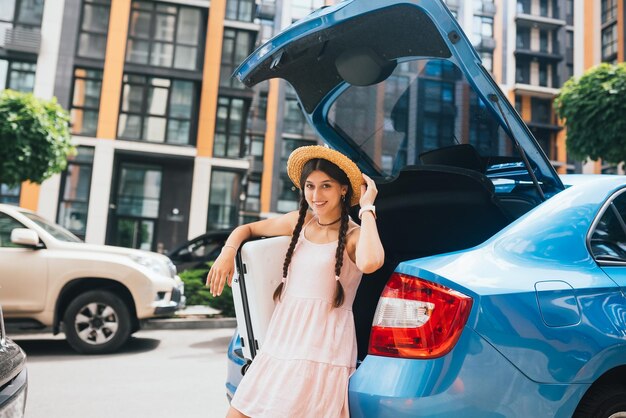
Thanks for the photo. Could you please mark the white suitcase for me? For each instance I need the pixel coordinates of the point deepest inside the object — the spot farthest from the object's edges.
(259, 272)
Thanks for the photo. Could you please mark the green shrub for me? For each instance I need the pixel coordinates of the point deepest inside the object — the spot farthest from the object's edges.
(198, 294)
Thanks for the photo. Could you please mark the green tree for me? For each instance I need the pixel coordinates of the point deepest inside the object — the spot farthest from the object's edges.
(594, 109)
(34, 138)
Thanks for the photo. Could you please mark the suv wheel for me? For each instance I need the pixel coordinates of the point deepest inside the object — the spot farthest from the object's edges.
(603, 401)
(97, 322)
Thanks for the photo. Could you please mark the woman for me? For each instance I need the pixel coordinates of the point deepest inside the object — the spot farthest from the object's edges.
(310, 347)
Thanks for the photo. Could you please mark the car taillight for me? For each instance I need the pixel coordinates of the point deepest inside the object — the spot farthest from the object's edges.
(417, 319)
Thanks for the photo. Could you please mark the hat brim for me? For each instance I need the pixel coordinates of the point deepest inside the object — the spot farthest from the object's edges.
(300, 156)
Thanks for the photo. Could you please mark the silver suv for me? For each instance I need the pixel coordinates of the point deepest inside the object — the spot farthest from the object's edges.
(96, 294)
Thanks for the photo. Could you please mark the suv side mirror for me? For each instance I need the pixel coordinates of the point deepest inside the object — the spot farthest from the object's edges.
(24, 236)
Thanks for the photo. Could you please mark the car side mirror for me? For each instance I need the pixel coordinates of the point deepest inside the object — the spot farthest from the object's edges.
(24, 236)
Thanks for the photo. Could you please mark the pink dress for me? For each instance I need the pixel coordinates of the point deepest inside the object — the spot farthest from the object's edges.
(310, 348)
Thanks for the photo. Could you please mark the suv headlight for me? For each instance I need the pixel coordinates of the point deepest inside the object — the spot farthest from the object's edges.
(152, 264)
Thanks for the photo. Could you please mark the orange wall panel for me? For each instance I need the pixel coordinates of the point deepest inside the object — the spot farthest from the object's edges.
(113, 69)
(269, 147)
(211, 78)
(29, 195)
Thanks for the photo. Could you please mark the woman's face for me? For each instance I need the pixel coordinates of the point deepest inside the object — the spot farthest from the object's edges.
(323, 193)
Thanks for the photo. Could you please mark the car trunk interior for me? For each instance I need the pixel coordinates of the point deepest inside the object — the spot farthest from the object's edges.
(428, 210)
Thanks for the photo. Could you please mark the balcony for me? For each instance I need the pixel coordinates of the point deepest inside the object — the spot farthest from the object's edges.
(543, 22)
(539, 55)
(21, 39)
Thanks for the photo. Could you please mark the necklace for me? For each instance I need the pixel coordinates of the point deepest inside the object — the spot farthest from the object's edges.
(330, 223)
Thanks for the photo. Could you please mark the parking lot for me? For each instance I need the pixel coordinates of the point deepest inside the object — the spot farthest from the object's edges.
(160, 373)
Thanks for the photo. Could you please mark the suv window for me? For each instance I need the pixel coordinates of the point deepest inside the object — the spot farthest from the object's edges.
(608, 241)
(8, 224)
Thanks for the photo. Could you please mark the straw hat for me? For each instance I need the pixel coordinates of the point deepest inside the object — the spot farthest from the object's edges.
(302, 155)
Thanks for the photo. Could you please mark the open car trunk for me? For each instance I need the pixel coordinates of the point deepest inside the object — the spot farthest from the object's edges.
(425, 210)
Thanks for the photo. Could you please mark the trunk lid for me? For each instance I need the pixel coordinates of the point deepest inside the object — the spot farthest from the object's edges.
(386, 82)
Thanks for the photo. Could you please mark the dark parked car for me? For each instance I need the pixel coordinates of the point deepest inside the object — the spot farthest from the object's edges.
(13, 380)
(196, 253)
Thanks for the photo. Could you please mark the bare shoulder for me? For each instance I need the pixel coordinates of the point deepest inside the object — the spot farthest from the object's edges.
(354, 231)
(277, 226)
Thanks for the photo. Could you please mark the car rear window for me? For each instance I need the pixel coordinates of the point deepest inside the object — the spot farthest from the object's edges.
(425, 105)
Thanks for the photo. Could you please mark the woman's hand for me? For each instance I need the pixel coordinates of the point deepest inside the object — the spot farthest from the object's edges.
(368, 191)
(222, 271)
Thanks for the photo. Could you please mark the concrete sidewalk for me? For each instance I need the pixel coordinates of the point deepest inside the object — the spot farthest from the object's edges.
(192, 317)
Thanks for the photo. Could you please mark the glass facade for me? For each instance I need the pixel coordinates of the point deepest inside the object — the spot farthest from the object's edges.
(25, 14)
(75, 186)
(224, 199)
(138, 200)
(158, 110)
(17, 75)
(165, 35)
(94, 27)
(243, 10)
(86, 101)
(10, 195)
(237, 45)
(230, 127)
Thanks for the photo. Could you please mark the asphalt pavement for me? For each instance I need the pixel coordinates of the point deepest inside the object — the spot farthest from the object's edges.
(161, 373)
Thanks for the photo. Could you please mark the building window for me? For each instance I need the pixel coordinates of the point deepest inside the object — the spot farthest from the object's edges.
(294, 121)
(253, 194)
(86, 101)
(288, 196)
(75, 185)
(523, 6)
(165, 35)
(543, 74)
(487, 59)
(92, 40)
(523, 37)
(138, 199)
(609, 10)
(17, 75)
(10, 195)
(224, 199)
(522, 71)
(157, 110)
(21, 14)
(482, 28)
(237, 45)
(230, 127)
(255, 145)
(240, 10)
(302, 8)
(569, 12)
(609, 43)
(541, 110)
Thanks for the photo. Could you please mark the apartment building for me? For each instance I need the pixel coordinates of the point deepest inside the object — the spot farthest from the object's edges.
(169, 145)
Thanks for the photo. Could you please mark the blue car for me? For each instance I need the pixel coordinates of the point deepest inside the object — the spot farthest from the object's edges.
(502, 293)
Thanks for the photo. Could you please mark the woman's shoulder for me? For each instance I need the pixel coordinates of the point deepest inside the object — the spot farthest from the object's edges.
(354, 229)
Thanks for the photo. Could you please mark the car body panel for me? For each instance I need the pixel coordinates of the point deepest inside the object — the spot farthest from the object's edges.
(548, 244)
(455, 385)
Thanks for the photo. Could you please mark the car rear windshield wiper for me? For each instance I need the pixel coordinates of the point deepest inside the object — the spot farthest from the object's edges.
(531, 173)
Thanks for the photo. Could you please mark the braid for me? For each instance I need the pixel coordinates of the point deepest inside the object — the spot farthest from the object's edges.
(343, 229)
(292, 245)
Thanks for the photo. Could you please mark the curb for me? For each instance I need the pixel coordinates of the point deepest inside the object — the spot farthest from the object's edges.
(189, 323)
